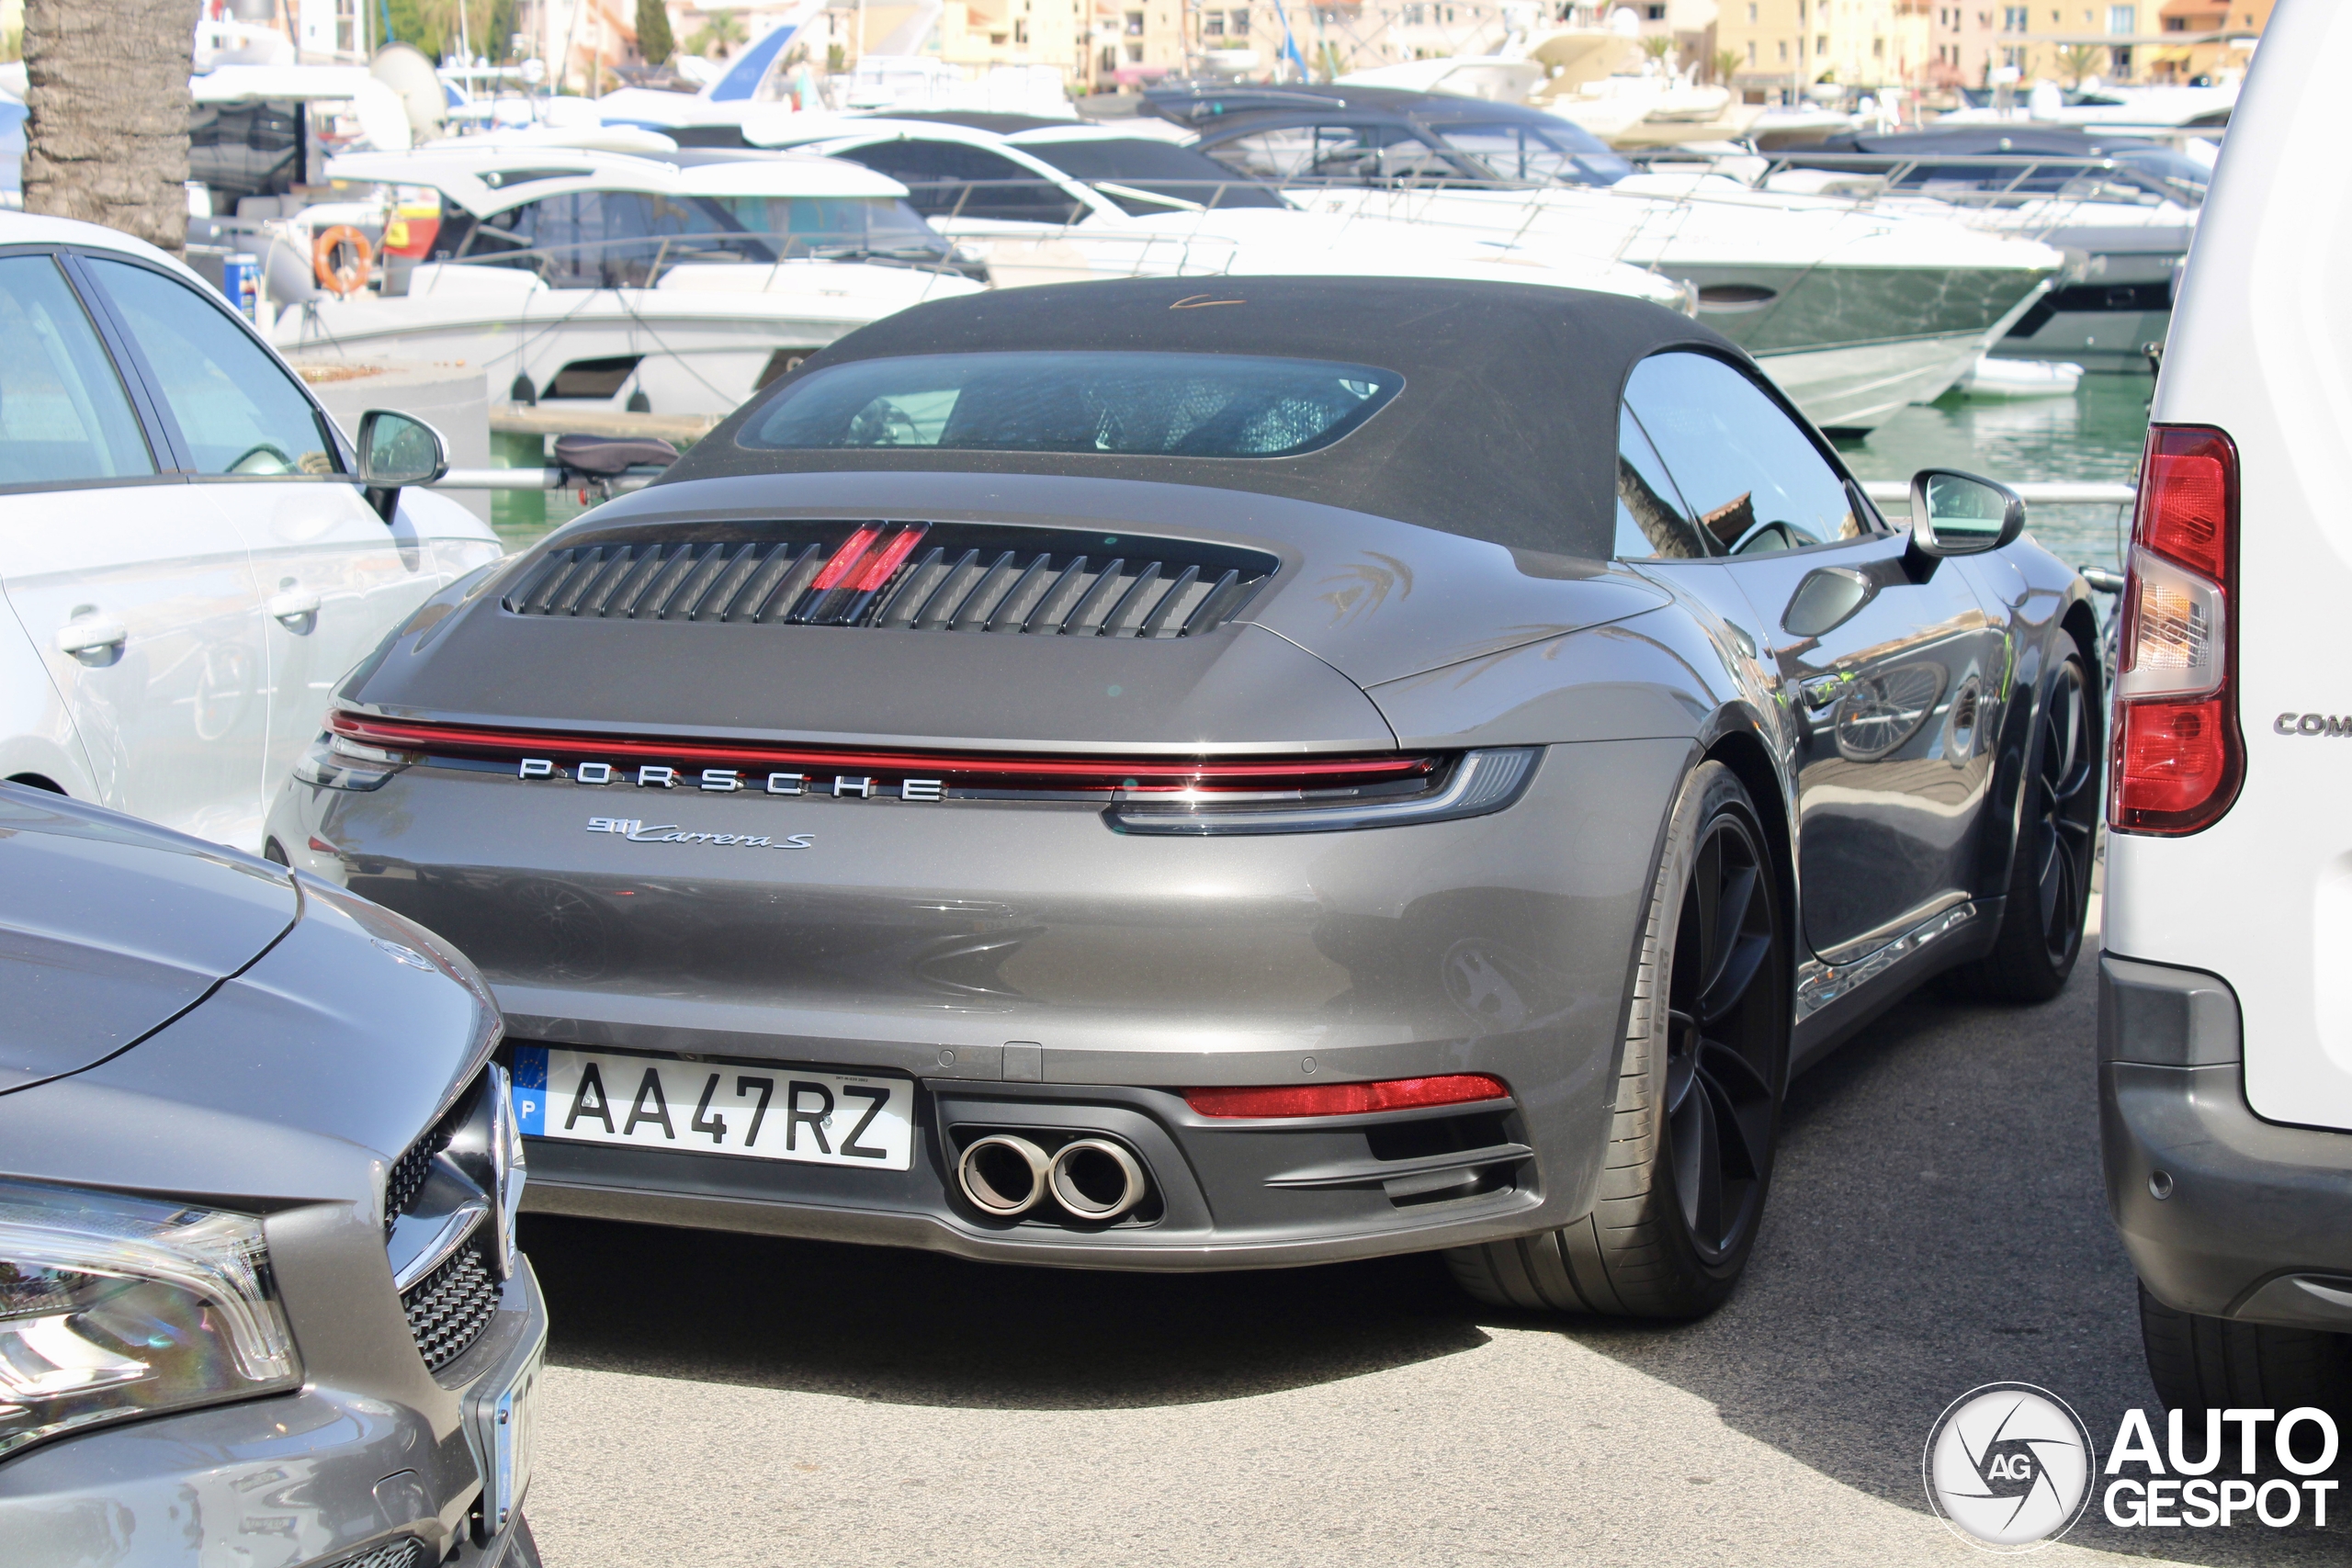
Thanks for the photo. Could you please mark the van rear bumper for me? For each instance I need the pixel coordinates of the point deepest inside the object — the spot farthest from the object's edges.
(2255, 1222)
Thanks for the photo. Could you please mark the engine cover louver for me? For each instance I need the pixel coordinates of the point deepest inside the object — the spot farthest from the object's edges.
(900, 576)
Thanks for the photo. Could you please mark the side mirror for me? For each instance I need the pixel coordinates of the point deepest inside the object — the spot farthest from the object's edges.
(396, 450)
(1954, 514)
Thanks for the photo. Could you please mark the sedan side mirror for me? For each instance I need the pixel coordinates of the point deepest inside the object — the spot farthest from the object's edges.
(396, 450)
(1954, 514)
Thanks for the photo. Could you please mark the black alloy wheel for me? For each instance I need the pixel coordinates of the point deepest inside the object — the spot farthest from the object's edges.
(1722, 1040)
(2065, 814)
(2050, 871)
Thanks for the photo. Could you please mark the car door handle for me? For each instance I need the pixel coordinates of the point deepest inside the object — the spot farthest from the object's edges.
(95, 634)
(295, 605)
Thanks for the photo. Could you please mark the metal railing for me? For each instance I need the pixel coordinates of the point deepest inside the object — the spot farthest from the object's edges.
(1899, 490)
(640, 261)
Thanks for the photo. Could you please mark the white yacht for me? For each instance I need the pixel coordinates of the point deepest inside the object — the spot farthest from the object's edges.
(1047, 201)
(607, 280)
(2126, 205)
(1855, 312)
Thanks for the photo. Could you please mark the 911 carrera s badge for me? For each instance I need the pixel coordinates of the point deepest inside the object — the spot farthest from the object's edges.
(634, 829)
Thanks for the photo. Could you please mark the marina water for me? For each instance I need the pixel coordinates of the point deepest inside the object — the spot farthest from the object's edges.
(2092, 437)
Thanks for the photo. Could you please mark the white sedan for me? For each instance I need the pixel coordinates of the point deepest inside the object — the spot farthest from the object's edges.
(189, 558)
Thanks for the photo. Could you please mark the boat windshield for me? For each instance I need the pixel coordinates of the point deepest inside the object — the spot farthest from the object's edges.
(837, 227)
(1175, 405)
(2147, 175)
(1517, 152)
(1152, 168)
(612, 239)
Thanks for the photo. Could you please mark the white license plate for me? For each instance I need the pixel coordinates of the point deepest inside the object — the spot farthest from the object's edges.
(766, 1112)
(514, 1435)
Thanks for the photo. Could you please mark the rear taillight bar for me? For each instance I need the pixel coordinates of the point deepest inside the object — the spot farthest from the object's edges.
(2177, 758)
(1105, 776)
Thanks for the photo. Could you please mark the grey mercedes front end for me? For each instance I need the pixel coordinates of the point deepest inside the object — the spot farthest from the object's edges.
(259, 1297)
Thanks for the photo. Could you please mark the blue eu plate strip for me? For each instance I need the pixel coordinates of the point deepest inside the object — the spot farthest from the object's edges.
(531, 1090)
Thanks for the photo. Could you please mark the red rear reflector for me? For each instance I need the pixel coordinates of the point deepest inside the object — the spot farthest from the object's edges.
(845, 560)
(2177, 761)
(1347, 1099)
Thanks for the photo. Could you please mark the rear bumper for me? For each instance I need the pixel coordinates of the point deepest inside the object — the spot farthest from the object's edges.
(2255, 1222)
(1226, 1194)
(1028, 967)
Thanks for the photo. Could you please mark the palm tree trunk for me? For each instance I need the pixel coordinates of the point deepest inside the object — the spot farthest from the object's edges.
(106, 140)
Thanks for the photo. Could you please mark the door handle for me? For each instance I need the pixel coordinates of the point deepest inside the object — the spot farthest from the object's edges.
(295, 605)
(97, 634)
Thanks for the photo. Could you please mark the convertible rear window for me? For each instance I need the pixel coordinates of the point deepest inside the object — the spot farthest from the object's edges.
(1175, 405)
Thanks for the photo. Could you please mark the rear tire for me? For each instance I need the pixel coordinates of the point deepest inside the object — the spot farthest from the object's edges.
(2049, 871)
(2200, 1363)
(1698, 1106)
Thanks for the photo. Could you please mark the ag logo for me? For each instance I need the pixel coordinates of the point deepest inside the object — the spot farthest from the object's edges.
(2009, 1466)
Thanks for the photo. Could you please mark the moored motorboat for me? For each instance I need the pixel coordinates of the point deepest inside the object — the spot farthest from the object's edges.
(2009, 378)
(1060, 203)
(609, 281)
(1855, 312)
(2126, 205)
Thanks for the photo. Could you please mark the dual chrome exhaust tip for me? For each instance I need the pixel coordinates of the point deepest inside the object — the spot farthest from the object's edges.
(1093, 1179)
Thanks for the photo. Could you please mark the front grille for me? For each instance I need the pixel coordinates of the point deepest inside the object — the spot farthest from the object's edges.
(392, 1555)
(406, 1178)
(448, 1308)
(902, 576)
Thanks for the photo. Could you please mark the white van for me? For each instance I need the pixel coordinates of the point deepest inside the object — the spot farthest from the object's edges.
(2225, 999)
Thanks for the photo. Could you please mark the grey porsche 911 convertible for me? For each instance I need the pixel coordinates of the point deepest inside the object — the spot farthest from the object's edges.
(1211, 774)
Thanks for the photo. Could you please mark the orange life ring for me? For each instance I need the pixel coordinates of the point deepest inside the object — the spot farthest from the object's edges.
(345, 278)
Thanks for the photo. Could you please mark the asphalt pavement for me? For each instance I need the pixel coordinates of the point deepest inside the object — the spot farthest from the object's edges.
(1937, 1223)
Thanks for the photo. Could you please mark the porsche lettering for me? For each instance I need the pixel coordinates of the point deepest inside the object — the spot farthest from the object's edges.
(727, 780)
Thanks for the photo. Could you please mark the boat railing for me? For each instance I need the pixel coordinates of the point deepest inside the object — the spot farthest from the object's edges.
(641, 260)
(1055, 203)
(1986, 182)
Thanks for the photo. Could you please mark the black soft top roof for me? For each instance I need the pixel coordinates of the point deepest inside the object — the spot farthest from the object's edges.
(1506, 429)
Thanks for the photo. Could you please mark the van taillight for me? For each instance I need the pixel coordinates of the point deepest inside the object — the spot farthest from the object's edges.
(2177, 758)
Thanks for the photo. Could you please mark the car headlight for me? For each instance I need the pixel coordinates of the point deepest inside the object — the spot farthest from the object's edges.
(114, 1307)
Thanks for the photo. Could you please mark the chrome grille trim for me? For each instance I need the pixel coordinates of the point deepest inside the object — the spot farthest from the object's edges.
(925, 577)
(449, 1206)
